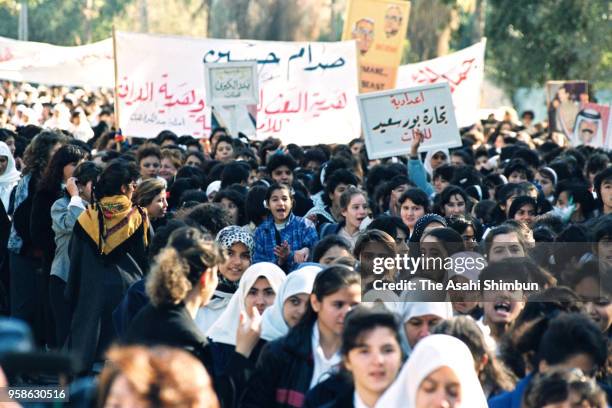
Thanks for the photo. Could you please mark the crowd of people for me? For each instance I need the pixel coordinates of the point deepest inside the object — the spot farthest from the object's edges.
(239, 273)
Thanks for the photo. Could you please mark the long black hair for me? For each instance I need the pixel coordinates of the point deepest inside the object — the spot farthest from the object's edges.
(328, 282)
(53, 175)
(118, 173)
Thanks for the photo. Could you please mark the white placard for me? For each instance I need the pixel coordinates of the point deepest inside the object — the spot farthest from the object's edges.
(231, 83)
(463, 70)
(391, 118)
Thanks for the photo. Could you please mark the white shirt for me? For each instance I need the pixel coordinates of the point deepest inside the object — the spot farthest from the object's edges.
(358, 402)
(323, 367)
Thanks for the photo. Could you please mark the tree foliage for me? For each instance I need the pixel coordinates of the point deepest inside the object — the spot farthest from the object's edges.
(531, 42)
(66, 22)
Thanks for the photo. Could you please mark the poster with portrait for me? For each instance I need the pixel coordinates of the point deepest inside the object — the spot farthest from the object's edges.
(592, 126)
(564, 100)
(379, 28)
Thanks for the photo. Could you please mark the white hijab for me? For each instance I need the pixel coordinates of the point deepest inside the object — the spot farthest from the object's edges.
(408, 310)
(273, 325)
(430, 354)
(224, 329)
(10, 177)
(428, 157)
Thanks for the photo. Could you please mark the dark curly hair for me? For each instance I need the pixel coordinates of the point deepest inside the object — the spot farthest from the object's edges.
(54, 173)
(36, 155)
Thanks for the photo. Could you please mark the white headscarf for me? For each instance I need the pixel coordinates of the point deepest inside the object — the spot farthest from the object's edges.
(430, 354)
(224, 329)
(428, 157)
(408, 310)
(10, 177)
(273, 325)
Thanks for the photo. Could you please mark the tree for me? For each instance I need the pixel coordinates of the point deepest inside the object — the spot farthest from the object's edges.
(531, 42)
(66, 22)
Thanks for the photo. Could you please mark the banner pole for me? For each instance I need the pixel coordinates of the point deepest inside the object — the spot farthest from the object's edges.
(118, 139)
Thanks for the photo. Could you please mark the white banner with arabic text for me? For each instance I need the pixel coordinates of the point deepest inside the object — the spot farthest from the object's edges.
(464, 72)
(307, 90)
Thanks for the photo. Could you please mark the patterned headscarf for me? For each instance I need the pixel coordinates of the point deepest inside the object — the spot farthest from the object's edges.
(228, 236)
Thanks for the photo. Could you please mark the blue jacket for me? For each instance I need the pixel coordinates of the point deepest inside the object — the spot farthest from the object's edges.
(298, 233)
(511, 399)
(418, 175)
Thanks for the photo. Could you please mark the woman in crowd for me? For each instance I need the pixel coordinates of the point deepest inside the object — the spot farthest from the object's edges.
(290, 303)
(238, 245)
(331, 248)
(234, 203)
(148, 158)
(108, 252)
(24, 259)
(414, 204)
(419, 319)
(159, 377)
(424, 224)
(354, 210)
(504, 242)
(470, 230)
(256, 292)
(171, 162)
(223, 149)
(546, 178)
(64, 214)
(439, 373)
(290, 366)
(9, 177)
(283, 238)
(438, 245)
(371, 358)
(523, 209)
(493, 375)
(453, 201)
(151, 195)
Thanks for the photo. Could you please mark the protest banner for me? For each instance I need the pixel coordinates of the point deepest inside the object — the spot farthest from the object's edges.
(88, 65)
(563, 101)
(306, 90)
(464, 72)
(592, 126)
(391, 118)
(379, 27)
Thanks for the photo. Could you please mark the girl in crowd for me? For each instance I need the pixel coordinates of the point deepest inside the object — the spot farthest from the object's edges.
(453, 201)
(238, 244)
(523, 209)
(284, 238)
(290, 366)
(331, 248)
(159, 377)
(546, 179)
(256, 292)
(354, 210)
(493, 375)
(24, 259)
(414, 204)
(234, 203)
(151, 195)
(148, 158)
(9, 175)
(424, 224)
(290, 303)
(574, 202)
(594, 285)
(470, 230)
(195, 159)
(436, 246)
(439, 373)
(108, 252)
(182, 280)
(504, 242)
(419, 319)
(64, 214)
(223, 149)
(371, 358)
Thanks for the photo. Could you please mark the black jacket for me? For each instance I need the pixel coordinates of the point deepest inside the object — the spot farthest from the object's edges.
(335, 392)
(172, 325)
(283, 373)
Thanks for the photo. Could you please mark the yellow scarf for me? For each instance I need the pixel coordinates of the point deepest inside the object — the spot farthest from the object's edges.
(111, 221)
